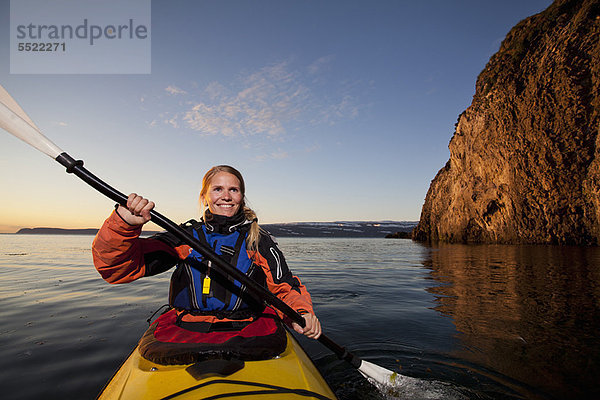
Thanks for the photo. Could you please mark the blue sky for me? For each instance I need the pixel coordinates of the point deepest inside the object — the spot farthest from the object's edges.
(332, 110)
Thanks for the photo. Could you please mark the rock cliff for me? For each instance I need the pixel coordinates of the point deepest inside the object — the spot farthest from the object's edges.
(525, 156)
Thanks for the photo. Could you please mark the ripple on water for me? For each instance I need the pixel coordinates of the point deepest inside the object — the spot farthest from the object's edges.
(421, 375)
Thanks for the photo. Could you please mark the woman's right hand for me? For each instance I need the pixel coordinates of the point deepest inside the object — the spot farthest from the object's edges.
(137, 211)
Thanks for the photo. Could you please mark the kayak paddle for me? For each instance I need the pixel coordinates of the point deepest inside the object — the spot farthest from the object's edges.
(16, 122)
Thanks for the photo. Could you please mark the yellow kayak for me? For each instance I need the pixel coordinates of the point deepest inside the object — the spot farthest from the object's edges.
(291, 375)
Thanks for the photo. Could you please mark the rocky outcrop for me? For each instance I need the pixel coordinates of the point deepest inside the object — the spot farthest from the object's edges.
(525, 156)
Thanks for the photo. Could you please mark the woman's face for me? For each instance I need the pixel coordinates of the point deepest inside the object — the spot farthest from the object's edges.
(224, 196)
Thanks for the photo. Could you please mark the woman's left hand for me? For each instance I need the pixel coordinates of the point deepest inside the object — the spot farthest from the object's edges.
(312, 329)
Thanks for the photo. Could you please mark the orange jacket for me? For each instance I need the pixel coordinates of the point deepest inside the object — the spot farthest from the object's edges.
(121, 256)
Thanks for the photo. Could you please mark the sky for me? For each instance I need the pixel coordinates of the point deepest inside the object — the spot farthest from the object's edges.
(332, 110)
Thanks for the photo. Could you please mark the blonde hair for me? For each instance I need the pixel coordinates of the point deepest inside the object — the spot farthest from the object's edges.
(249, 214)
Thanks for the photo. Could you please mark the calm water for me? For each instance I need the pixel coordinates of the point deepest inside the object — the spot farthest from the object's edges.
(470, 322)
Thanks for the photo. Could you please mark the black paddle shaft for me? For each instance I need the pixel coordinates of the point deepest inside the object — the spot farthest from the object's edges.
(76, 167)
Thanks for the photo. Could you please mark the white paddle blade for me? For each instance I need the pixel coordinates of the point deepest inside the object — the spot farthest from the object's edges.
(396, 386)
(14, 120)
(11, 103)
(377, 374)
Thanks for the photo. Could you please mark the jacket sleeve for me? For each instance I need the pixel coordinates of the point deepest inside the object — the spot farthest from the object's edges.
(279, 278)
(121, 256)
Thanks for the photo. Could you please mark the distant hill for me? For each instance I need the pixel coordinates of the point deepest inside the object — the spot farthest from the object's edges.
(56, 231)
(373, 229)
(61, 231)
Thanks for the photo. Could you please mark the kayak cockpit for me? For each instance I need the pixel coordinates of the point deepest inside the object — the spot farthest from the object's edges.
(287, 376)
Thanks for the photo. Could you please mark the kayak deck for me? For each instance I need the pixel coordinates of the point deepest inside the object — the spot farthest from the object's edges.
(292, 375)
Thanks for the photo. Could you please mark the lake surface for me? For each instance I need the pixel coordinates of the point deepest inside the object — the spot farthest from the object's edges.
(468, 322)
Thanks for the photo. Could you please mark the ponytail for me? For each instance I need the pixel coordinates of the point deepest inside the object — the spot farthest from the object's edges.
(254, 232)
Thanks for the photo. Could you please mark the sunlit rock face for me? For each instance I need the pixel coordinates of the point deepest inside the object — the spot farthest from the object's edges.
(525, 157)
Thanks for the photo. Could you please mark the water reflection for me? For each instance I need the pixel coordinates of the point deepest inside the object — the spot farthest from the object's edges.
(530, 313)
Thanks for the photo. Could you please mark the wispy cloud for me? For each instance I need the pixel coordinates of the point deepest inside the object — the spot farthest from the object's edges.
(259, 103)
(174, 90)
(263, 102)
(313, 148)
(275, 155)
(346, 107)
(280, 154)
(320, 64)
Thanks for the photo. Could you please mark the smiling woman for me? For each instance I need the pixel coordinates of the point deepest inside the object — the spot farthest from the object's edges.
(199, 296)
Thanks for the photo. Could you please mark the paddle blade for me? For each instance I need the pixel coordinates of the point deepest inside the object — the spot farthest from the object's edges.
(16, 122)
(377, 374)
(396, 386)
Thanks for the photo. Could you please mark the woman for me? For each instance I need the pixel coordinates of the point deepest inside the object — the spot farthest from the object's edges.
(199, 294)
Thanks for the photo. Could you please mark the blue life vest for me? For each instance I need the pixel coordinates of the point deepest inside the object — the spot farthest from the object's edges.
(197, 287)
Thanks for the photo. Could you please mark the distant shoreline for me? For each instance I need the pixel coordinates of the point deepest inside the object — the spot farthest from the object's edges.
(62, 231)
(358, 229)
(56, 231)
